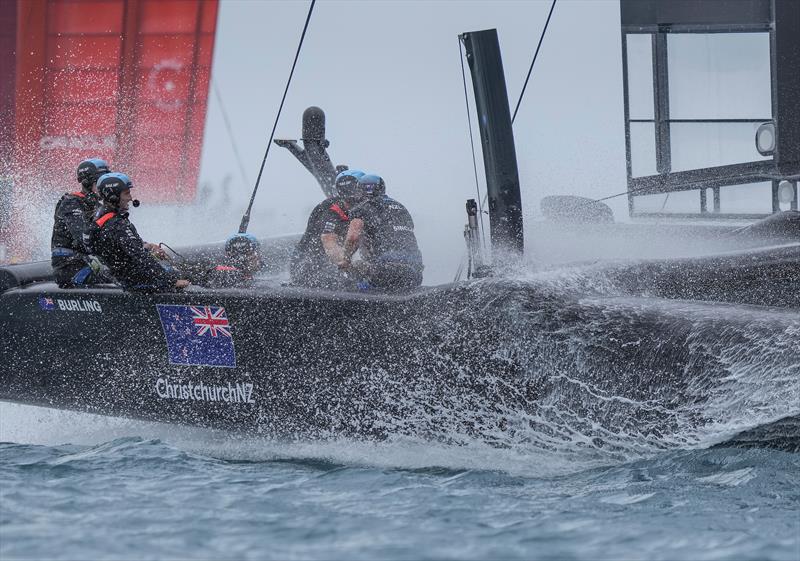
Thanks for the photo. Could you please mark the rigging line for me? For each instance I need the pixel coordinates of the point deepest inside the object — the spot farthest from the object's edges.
(246, 218)
(628, 192)
(460, 270)
(472, 143)
(614, 196)
(530, 70)
(665, 202)
(230, 131)
(536, 54)
(162, 244)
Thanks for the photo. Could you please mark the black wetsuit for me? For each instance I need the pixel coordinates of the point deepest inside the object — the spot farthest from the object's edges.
(391, 259)
(69, 257)
(310, 265)
(113, 239)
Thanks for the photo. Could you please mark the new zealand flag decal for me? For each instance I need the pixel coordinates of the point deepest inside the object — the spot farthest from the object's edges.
(46, 303)
(197, 335)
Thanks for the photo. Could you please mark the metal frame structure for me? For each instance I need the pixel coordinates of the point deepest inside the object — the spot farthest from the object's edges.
(658, 18)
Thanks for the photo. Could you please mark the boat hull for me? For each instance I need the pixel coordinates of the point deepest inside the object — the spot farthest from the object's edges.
(598, 351)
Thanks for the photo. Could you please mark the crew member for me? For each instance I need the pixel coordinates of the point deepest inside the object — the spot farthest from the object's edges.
(315, 259)
(242, 262)
(72, 265)
(384, 231)
(113, 238)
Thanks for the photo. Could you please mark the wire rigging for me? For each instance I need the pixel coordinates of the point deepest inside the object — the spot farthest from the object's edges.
(628, 192)
(536, 54)
(246, 218)
(472, 142)
(465, 259)
(528, 77)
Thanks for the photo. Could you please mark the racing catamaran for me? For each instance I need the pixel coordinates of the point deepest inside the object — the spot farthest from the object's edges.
(486, 355)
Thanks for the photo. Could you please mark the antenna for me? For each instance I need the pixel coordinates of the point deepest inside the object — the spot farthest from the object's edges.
(246, 218)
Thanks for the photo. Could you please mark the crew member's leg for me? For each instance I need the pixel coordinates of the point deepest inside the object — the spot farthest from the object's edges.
(78, 274)
(392, 276)
(319, 274)
(65, 273)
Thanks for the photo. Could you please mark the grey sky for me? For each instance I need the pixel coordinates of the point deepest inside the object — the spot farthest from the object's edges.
(387, 73)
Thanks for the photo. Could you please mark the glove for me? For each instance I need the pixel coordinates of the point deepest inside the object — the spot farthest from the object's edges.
(95, 265)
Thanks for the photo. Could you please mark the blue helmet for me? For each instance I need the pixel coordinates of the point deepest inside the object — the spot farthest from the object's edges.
(90, 170)
(111, 185)
(347, 183)
(239, 244)
(372, 185)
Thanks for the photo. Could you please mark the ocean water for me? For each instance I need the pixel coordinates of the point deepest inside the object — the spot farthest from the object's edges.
(75, 486)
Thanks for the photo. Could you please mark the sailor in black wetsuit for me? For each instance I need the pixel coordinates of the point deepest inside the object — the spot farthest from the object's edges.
(242, 262)
(384, 231)
(116, 242)
(72, 265)
(315, 259)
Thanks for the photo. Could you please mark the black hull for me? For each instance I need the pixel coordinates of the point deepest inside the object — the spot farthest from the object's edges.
(544, 359)
(783, 434)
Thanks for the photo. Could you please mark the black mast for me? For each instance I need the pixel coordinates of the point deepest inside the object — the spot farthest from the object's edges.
(497, 139)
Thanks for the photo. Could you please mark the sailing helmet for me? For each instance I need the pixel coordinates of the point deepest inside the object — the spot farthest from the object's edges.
(239, 244)
(372, 185)
(347, 183)
(111, 185)
(90, 170)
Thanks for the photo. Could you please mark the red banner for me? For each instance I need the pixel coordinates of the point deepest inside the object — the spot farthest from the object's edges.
(125, 80)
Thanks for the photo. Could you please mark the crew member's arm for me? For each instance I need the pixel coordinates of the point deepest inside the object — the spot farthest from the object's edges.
(332, 219)
(71, 212)
(353, 238)
(334, 251)
(133, 245)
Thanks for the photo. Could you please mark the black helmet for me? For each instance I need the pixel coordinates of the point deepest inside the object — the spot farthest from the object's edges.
(239, 244)
(111, 185)
(347, 183)
(372, 185)
(243, 251)
(90, 170)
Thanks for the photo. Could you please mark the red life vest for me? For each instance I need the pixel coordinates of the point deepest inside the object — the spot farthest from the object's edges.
(342, 214)
(105, 218)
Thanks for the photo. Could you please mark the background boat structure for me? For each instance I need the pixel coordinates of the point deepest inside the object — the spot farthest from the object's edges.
(617, 355)
(124, 80)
